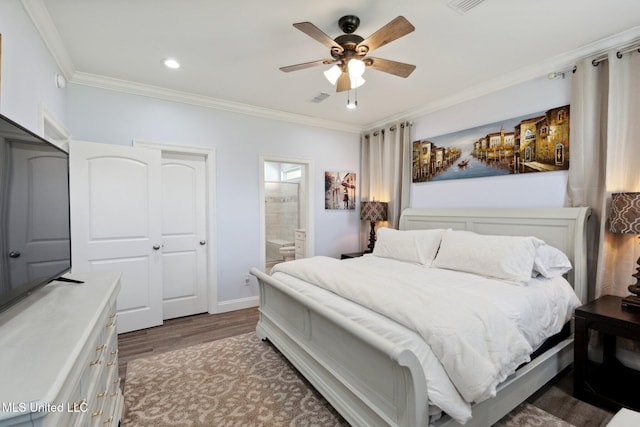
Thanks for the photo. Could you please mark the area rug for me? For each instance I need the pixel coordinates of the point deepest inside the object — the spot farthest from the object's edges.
(242, 381)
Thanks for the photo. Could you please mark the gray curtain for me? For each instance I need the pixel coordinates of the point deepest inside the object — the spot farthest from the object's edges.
(386, 170)
(605, 149)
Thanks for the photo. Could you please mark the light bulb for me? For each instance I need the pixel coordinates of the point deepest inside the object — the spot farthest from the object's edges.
(171, 63)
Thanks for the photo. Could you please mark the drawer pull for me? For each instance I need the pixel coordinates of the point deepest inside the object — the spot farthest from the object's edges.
(114, 393)
(117, 381)
(110, 325)
(108, 420)
(97, 414)
(100, 347)
(113, 362)
(112, 315)
(95, 362)
(113, 353)
(103, 394)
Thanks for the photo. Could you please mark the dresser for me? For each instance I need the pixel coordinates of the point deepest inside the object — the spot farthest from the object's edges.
(59, 355)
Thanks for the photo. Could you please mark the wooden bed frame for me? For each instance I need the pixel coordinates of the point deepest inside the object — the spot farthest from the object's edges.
(372, 382)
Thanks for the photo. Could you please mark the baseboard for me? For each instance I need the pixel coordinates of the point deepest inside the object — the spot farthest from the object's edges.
(237, 304)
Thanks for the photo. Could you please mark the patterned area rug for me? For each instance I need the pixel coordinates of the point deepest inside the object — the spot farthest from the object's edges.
(242, 381)
(527, 415)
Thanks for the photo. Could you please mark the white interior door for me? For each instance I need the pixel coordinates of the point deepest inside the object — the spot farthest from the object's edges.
(116, 224)
(184, 234)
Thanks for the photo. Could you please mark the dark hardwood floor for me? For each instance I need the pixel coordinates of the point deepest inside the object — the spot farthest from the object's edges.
(183, 332)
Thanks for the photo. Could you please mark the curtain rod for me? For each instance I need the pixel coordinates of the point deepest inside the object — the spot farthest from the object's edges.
(619, 54)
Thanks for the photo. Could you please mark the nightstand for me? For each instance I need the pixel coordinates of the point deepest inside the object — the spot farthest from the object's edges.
(351, 255)
(609, 384)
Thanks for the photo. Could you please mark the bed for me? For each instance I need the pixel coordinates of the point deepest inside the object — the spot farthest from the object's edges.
(373, 379)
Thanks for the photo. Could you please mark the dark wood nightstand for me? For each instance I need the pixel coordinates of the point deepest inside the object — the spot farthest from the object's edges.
(609, 384)
(351, 255)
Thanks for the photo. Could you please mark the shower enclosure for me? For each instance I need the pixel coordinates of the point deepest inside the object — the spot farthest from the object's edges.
(282, 195)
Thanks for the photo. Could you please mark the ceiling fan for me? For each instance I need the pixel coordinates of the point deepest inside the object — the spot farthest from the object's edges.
(349, 50)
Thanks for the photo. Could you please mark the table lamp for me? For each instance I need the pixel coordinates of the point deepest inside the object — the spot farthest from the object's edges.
(624, 218)
(373, 212)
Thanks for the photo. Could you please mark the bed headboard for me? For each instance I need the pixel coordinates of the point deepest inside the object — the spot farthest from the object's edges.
(564, 228)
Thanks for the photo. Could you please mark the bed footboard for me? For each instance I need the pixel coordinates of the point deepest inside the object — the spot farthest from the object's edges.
(369, 380)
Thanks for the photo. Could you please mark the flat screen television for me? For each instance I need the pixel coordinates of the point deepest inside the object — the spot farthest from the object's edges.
(35, 231)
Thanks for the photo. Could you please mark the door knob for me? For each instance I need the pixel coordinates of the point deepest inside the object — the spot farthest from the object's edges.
(14, 254)
(156, 247)
(203, 242)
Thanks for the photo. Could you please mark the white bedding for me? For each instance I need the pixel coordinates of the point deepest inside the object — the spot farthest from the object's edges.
(484, 352)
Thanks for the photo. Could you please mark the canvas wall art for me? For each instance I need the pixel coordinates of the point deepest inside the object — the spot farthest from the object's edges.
(339, 190)
(532, 143)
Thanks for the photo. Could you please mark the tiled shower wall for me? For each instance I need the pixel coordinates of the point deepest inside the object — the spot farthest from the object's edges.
(281, 211)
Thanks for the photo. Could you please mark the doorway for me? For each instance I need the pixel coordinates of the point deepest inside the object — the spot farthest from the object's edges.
(286, 210)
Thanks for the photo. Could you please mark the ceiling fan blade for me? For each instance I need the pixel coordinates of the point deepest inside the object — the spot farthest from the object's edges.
(392, 31)
(316, 33)
(344, 82)
(399, 69)
(304, 65)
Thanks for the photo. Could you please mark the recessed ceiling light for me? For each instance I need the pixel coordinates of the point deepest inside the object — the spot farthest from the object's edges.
(171, 63)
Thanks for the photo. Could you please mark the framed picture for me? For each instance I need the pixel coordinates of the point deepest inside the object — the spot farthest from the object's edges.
(533, 143)
(340, 190)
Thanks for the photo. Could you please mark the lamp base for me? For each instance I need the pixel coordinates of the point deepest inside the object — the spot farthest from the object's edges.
(631, 302)
(372, 238)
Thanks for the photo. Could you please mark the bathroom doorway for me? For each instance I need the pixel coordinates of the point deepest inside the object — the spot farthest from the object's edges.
(286, 210)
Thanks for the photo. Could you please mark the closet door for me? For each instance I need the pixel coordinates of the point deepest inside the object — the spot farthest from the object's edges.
(116, 224)
(184, 235)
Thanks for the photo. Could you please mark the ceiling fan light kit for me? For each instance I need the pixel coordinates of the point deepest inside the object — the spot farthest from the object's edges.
(348, 52)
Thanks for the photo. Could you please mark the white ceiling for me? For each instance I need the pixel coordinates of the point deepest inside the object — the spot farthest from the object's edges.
(231, 50)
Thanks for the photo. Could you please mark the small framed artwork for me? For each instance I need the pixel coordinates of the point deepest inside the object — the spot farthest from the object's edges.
(340, 190)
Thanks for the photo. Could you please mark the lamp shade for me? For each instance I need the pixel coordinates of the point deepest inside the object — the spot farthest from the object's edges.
(356, 68)
(624, 213)
(332, 74)
(373, 211)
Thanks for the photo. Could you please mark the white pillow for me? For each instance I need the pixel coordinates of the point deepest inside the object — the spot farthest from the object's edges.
(417, 246)
(550, 262)
(504, 257)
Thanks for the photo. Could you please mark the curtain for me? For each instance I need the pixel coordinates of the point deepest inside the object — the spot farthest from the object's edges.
(386, 170)
(605, 148)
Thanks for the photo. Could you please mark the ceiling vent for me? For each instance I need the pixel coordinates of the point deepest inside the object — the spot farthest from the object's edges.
(320, 97)
(463, 6)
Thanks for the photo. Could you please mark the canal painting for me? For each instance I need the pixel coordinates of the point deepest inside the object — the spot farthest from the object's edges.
(533, 143)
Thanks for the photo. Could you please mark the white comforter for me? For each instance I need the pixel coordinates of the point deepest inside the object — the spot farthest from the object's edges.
(479, 329)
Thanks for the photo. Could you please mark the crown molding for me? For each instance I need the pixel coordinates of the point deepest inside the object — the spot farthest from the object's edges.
(39, 15)
(157, 92)
(41, 19)
(562, 61)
